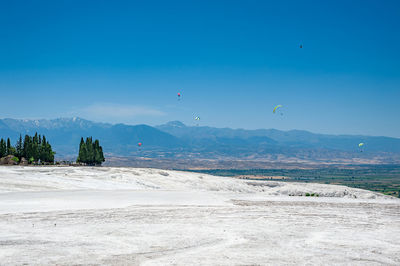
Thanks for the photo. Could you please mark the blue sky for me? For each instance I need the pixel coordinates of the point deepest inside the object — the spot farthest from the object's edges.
(233, 61)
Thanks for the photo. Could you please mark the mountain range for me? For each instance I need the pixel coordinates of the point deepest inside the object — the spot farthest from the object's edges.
(176, 140)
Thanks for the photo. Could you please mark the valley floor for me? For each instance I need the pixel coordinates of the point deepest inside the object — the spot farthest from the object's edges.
(131, 216)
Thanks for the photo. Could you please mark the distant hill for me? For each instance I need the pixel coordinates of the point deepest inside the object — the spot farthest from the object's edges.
(176, 140)
(292, 138)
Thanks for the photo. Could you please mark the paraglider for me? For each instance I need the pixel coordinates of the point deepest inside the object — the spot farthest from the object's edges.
(197, 119)
(277, 109)
(179, 96)
(360, 146)
(301, 46)
(139, 145)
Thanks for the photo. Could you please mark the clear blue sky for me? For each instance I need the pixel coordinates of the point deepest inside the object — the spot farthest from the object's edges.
(125, 61)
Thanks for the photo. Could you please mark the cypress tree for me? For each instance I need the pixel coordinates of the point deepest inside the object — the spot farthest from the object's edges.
(49, 153)
(26, 148)
(8, 146)
(83, 156)
(98, 153)
(102, 159)
(43, 152)
(90, 151)
(3, 148)
(40, 150)
(35, 147)
(29, 149)
(19, 147)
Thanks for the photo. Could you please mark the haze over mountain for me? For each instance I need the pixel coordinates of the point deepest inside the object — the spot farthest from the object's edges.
(176, 140)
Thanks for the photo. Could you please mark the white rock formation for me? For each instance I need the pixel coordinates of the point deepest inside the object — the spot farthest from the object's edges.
(130, 216)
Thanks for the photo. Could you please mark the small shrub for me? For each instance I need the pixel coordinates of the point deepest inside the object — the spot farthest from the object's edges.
(312, 194)
(307, 194)
(15, 159)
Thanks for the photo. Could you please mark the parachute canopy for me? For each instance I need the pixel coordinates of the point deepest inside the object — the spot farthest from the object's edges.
(139, 144)
(179, 94)
(361, 144)
(197, 118)
(276, 107)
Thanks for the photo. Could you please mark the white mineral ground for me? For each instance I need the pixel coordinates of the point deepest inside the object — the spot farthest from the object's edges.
(130, 216)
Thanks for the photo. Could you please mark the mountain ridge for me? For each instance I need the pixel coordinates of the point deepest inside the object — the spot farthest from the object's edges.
(174, 139)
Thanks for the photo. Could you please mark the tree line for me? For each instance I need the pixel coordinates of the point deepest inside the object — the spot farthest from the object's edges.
(34, 149)
(90, 153)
